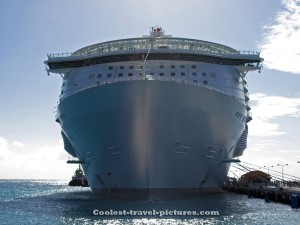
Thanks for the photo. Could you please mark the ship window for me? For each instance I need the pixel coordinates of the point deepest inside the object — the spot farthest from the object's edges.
(152, 74)
(74, 84)
(173, 66)
(161, 66)
(182, 74)
(131, 67)
(120, 74)
(205, 82)
(194, 66)
(194, 74)
(98, 83)
(91, 76)
(109, 75)
(195, 81)
(99, 75)
(212, 74)
(173, 74)
(130, 74)
(204, 74)
(182, 66)
(161, 74)
(121, 67)
(63, 84)
(110, 68)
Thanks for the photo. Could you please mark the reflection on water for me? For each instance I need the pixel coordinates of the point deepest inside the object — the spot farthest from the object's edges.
(52, 202)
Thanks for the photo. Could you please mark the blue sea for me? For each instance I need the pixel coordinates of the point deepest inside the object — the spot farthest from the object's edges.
(54, 202)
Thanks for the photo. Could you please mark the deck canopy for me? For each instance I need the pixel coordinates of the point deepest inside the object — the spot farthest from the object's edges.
(155, 43)
(157, 46)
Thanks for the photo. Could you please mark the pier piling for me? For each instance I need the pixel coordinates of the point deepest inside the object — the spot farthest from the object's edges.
(294, 200)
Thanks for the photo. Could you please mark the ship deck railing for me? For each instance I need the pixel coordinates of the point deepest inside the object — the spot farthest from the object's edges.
(71, 55)
(172, 43)
(147, 77)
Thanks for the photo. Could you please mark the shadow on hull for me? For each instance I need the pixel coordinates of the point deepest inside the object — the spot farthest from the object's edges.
(157, 193)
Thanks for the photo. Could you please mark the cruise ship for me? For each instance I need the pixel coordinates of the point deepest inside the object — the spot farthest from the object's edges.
(154, 114)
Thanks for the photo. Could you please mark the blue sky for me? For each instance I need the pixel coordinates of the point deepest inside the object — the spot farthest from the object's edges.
(30, 142)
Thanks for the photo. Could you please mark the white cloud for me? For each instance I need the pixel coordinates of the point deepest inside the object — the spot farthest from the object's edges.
(41, 162)
(4, 153)
(18, 144)
(280, 43)
(263, 145)
(266, 148)
(3, 144)
(269, 107)
(265, 108)
(289, 151)
(258, 127)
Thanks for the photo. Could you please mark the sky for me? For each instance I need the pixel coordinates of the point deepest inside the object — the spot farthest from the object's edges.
(30, 143)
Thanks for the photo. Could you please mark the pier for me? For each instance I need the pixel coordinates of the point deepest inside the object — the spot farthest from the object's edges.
(268, 186)
(286, 195)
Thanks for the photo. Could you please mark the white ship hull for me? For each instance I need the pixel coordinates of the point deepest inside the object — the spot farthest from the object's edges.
(152, 135)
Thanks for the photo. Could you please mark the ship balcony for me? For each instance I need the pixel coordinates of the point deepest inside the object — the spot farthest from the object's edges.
(70, 161)
(249, 117)
(248, 106)
(56, 117)
(245, 68)
(247, 96)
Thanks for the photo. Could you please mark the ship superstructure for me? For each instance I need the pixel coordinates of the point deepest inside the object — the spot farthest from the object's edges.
(156, 112)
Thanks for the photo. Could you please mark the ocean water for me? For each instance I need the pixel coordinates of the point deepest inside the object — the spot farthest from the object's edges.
(53, 202)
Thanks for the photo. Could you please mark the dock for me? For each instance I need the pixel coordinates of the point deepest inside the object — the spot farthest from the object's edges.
(285, 195)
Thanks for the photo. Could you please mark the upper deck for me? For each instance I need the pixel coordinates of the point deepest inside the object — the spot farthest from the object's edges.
(158, 46)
